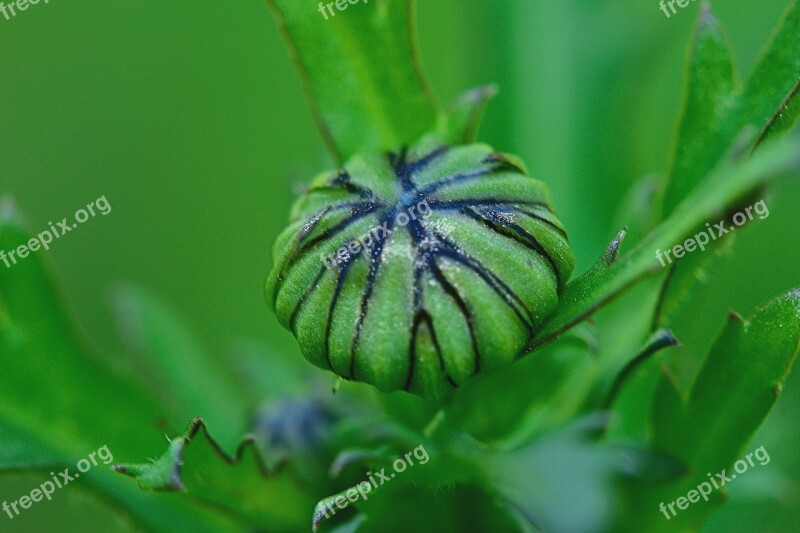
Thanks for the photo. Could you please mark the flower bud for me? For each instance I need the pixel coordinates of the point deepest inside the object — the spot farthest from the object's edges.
(420, 269)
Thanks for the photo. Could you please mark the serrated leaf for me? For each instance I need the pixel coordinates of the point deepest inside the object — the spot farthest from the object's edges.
(242, 484)
(59, 401)
(361, 71)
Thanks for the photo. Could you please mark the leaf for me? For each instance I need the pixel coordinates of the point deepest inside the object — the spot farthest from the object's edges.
(361, 71)
(612, 274)
(767, 101)
(242, 484)
(737, 386)
(40, 347)
(683, 276)
(708, 428)
(20, 451)
(710, 80)
(538, 393)
(714, 110)
(544, 479)
(184, 374)
(658, 341)
(636, 212)
(460, 124)
(59, 401)
(770, 96)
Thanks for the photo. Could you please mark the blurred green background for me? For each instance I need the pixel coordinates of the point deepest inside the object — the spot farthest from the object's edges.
(190, 118)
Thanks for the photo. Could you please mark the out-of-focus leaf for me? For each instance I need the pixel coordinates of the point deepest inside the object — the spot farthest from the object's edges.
(636, 211)
(683, 275)
(361, 70)
(543, 479)
(40, 347)
(401, 506)
(710, 81)
(264, 373)
(538, 392)
(241, 484)
(460, 124)
(184, 374)
(59, 401)
(442, 473)
(19, 450)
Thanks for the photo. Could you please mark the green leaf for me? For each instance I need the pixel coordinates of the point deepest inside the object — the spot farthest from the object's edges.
(770, 96)
(545, 478)
(737, 386)
(539, 393)
(185, 376)
(40, 347)
(683, 276)
(361, 71)
(710, 80)
(59, 401)
(20, 450)
(767, 101)
(635, 211)
(611, 275)
(708, 427)
(242, 484)
(715, 110)
(460, 124)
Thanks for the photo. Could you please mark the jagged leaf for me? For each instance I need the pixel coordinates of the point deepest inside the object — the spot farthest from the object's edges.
(59, 401)
(242, 484)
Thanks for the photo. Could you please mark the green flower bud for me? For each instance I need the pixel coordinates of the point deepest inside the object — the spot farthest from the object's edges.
(420, 269)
